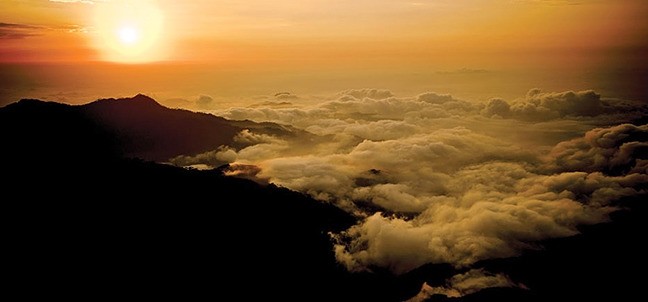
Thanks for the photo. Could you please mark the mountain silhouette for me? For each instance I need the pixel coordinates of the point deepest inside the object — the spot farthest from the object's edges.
(137, 127)
(148, 130)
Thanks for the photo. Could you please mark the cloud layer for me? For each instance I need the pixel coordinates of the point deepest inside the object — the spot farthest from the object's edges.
(464, 284)
(435, 179)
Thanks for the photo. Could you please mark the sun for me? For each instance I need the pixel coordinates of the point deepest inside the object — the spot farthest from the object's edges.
(130, 31)
(128, 35)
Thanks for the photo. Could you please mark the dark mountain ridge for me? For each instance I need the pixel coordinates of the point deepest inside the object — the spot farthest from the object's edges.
(139, 126)
(148, 130)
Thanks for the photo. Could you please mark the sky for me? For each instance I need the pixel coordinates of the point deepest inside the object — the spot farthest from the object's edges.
(233, 50)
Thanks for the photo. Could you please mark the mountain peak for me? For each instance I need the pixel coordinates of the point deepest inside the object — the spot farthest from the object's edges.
(142, 98)
(139, 100)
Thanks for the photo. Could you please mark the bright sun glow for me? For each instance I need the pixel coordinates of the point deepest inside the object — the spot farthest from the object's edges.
(128, 35)
(130, 31)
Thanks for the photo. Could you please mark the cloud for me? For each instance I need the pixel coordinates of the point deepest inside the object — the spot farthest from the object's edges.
(367, 93)
(204, 101)
(618, 149)
(487, 211)
(539, 106)
(278, 100)
(474, 203)
(417, 165)
(216, 158)
(381, 130)
(243, 171)
(285, 96)
(271, 104)
(464, 284)
(200, 102)
(22, 31)
(497, 108)
(436, 179)
(18, 31)
(19, 26)
(252, 145)
(353, 108)
(464, 71)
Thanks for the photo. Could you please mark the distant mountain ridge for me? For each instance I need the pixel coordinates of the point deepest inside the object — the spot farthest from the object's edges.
(141, 127)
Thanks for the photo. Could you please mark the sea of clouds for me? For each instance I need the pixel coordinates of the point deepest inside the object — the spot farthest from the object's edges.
(435, 179)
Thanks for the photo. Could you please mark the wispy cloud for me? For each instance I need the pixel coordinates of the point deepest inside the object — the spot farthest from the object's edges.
(18, 31)
(464, 71)
(18, 26)
(22, 31)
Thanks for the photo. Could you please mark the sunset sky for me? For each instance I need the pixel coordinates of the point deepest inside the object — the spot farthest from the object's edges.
(234, 49)
(450, 132)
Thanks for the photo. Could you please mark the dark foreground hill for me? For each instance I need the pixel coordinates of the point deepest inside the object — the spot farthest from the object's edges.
(84, 220)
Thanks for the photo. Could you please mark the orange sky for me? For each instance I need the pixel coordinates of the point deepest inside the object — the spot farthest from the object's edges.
(344, 36)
